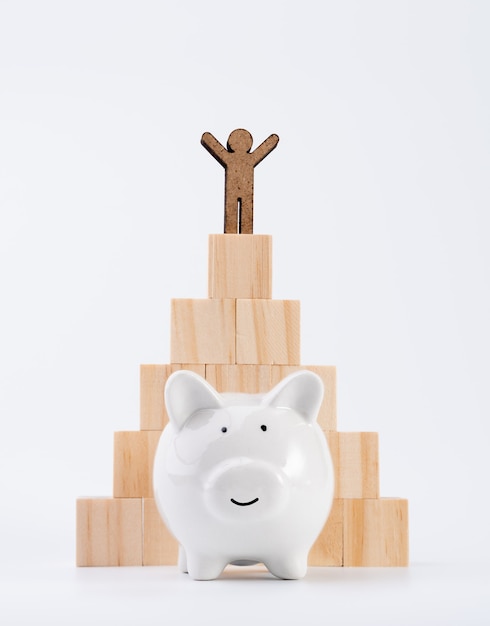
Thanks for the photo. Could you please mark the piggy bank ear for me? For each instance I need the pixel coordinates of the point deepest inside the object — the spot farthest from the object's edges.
(186, 393)
(301, 391)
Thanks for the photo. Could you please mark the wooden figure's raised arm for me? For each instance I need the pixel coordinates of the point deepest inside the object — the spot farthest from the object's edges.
(265, 148)
(215, 148)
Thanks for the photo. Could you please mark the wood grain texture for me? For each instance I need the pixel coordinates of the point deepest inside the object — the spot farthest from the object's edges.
(134, 452)
(268, 332)
(356, 463)
(239, 378)
(376, 532)
(327, 415)
(159, 546)
(202, 331)
(109, 532)
(240, 266)
(328, 549)
(153, 414)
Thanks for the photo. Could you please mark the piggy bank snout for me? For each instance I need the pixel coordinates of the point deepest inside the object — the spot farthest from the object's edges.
(245, 489)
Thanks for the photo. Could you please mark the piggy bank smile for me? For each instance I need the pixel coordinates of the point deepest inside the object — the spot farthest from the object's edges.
(244, 503)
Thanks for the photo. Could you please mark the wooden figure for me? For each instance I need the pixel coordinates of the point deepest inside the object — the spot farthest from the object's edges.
(239, 165)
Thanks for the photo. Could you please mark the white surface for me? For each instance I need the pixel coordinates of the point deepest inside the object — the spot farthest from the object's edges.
(377, 198)
(422, 594)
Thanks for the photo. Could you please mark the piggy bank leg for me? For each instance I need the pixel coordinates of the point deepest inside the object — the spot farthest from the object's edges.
(204, 567)
(289, 567)
(182, 562)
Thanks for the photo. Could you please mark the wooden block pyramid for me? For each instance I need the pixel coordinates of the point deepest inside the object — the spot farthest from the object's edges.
(239, 339)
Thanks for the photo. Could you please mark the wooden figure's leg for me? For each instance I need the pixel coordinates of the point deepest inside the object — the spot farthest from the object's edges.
(231, 214)
(246, 215)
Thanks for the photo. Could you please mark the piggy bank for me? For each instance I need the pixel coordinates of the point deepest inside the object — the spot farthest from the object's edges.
(243, 478)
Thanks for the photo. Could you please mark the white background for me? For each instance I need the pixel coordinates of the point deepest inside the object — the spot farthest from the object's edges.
(377, 198)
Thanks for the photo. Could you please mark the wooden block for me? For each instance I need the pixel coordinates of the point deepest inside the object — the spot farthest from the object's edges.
(268, 332)
(159, 546)
(356, 464)
(239, 378)
(134, 452)
(240, 266)
(376, 532)
(109, 532)
(327, 416)
(153, 414)
(328, 550)
(202, 331)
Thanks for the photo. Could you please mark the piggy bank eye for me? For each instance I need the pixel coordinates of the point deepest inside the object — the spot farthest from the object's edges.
(263, 427)
(224, 429)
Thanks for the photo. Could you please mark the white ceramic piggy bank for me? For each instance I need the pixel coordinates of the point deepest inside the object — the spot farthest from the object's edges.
(243, 478)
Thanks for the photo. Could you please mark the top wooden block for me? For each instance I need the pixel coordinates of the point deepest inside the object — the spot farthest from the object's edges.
(240, 266)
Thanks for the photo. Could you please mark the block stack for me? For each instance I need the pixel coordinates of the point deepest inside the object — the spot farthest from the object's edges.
(240, 340)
